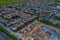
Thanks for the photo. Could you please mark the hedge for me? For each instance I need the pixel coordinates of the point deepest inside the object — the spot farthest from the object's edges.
(8, 34)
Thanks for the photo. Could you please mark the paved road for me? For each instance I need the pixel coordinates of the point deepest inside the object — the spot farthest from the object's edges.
(4, 36)
(1, 38)
(9, 30)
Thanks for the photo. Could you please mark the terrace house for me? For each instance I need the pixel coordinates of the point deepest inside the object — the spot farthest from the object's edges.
(45, 15)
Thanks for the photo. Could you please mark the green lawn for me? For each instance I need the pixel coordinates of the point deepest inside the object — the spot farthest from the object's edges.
(7, 2)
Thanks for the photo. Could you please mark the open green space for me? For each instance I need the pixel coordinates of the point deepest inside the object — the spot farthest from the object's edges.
(8, 2)
(8, 34)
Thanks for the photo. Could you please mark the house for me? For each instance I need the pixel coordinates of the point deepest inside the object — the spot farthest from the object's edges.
(50, 30)
(30, 11)
(53, 37)
(57, 14)
(45, 15)
(24, 7)
(14, 27)
(58, 36)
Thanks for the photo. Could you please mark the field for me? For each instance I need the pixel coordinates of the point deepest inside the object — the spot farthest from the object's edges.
(8, 2)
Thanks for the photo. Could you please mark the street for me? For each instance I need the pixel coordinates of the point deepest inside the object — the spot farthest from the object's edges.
(4, 36)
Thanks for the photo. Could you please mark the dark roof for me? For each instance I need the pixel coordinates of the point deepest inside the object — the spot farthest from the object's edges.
(58, 35)
(46, 13)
